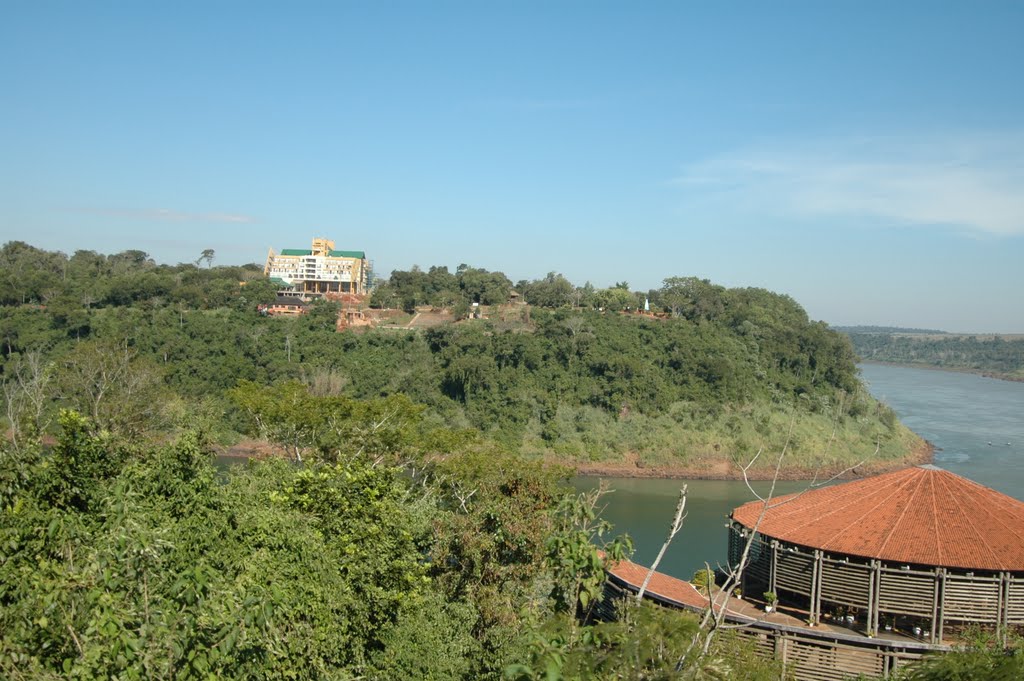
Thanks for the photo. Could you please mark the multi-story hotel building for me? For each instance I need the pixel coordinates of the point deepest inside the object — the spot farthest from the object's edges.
(319, 270)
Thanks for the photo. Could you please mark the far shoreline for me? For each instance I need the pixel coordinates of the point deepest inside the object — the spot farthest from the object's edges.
(950, 370)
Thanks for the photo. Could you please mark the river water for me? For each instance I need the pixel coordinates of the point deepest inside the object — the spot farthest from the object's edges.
(975, 423)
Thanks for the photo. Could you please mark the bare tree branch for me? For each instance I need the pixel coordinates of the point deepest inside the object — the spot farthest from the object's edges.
(713, 618)
(673, 530)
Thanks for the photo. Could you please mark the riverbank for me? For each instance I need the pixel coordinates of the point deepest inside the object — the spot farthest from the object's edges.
(632, 467)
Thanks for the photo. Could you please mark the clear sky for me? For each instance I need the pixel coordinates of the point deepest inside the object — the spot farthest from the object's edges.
(866, 158)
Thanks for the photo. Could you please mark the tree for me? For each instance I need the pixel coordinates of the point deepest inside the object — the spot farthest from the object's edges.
(491, 546)
(335, 427)
(481, 286)
(207, 256)
(25, 388)
(285, 414)
(129, 260)
(578, 551)
(153, 566)
(693, 298)
(26, 272)
(256, 291)
(552, 291)
(585, 296)
(108, 381)
(614, 299)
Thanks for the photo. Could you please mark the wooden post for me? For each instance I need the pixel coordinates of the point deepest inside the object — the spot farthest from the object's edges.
(941, 611)
(743, 576)
(876, 580)
(781, 651)
(878, 589)
(1004, 606)
(936, 609)
(872, 610)
(816, 588)
(774, 564)
(892, 663)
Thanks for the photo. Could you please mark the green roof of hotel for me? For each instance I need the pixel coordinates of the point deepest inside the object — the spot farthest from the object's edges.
(361, 255)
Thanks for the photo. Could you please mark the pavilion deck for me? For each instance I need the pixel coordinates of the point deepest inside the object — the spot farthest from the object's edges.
(813, 652)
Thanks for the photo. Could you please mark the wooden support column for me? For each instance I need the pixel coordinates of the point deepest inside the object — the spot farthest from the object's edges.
(781, 651)
(941, 610)
(876, 589)
(936, 607)
(1004, 606)
(774, 565)
(872, 610)
(737, 537)
(734, 539)
(812, 615)
(743, 575)
(816, 588)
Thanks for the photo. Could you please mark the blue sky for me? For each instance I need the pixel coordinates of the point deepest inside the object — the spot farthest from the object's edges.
(866, 158)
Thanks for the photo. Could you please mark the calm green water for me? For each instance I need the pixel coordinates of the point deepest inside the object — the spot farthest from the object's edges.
(959, 413)
(643, 509)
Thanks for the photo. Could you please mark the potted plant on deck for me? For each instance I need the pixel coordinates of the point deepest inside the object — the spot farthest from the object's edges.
(770, 601)
(703, 580)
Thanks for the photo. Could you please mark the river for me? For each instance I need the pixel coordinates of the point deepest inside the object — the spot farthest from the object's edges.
(975, 423)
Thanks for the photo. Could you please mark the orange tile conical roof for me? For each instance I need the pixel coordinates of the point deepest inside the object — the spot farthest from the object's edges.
(921, 515)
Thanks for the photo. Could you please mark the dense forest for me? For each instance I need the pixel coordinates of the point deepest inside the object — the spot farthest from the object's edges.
(996, 356)
(122, 559)
(417, 527)
(573, 376)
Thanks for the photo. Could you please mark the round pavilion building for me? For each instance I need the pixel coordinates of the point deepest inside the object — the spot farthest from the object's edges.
(921, 549)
